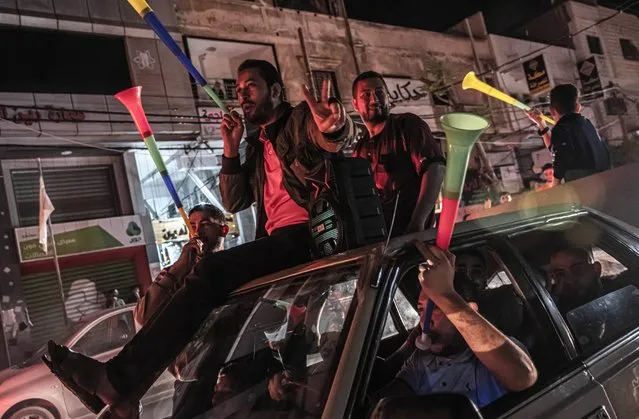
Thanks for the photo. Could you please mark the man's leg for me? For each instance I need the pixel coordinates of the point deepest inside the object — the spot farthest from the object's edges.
(139, 363)
(153, 348)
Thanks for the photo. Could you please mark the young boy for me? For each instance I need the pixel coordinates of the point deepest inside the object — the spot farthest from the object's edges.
(577, 149)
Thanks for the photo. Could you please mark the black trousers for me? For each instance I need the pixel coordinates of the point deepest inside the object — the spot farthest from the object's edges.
(153, 348)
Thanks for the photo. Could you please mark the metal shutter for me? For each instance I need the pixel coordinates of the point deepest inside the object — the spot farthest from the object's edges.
(42, 294)
(77, 193)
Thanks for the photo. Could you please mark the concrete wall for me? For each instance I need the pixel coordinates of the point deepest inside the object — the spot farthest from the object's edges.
(387, 49)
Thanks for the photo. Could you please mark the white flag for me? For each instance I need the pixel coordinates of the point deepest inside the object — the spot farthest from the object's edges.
(46, 208)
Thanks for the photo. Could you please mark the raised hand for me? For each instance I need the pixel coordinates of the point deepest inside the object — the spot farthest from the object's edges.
(535, 116)
(232, 131)
(329, 115)
(437, 273)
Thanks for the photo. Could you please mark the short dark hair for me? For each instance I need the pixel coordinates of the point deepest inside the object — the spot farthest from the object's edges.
(466, 288)
(546, 167)
(579, 253)
(564, 98)
(267, 70)
(209, 211)
(368, 75)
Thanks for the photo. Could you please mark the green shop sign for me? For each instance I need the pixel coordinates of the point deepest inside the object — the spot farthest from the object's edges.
(82, 237)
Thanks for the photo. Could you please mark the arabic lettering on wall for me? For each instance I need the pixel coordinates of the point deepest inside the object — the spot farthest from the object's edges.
(47, 114)
(211, 120)
(406, 91)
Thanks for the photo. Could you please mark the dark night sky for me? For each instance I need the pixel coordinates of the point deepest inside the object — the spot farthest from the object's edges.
(500, 15)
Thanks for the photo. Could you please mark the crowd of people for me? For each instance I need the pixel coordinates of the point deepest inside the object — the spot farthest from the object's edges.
(469, 354)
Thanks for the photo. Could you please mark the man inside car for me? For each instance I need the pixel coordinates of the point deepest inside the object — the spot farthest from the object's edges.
(468, 355)
(575, 278)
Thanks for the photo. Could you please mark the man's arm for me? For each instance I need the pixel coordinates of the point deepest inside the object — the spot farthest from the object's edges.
(156, 296)
(428, 192)
(562, 152)
(235, 184)
(535, 116)
(167, 283)
(508, 362)
(235, 178)
(328, 125)
(428, 159)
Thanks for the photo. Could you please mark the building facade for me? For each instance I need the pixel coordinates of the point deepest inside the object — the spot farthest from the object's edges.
(606, 48)
(64, 61)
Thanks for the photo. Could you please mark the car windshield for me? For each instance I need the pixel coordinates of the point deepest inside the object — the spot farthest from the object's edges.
(274, 349)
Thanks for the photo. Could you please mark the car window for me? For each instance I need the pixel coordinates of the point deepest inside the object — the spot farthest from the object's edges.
(111, 333)
(577, 263)
(408, 314)
(273, 351)
(390, 329)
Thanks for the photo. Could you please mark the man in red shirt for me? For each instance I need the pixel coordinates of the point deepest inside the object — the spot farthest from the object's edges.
(407, 162)
(288, 149)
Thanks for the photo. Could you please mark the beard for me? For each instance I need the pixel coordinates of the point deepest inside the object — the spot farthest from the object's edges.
(259, 113)
(450, 346)
(377, 114)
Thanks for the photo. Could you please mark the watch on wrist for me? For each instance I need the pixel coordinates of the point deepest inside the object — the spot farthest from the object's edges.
(543, 131)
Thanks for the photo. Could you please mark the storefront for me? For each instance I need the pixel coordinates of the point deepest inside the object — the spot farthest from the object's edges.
(96, 257)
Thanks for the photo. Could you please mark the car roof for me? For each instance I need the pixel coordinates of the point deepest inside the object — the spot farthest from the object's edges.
(493, 223)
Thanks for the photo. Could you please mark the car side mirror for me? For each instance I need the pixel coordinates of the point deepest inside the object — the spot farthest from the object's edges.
(433, 406)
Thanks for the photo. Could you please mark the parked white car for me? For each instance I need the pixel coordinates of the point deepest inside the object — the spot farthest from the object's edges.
(29, 390)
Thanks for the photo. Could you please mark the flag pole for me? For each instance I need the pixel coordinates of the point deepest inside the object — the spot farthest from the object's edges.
(55, 256)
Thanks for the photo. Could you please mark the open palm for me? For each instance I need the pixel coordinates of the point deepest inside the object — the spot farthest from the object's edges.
(329, 114)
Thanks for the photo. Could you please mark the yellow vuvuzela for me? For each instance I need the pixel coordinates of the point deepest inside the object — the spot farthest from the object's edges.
(472, 82)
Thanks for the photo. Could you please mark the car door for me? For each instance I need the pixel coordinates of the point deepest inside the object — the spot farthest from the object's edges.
(613, 360)
(566, 387)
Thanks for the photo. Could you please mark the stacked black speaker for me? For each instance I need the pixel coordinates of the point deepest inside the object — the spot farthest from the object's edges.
(345, 210)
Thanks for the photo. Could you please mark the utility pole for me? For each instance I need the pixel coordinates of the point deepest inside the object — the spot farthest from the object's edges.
(485, 161)
(349, 35)
(307, 63)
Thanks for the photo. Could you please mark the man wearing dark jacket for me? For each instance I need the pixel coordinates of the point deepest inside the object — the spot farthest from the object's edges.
(577, 149)
(288, 148)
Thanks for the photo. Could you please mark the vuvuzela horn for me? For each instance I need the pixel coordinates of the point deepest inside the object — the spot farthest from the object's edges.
(472, 82)
(462, 130)
(131, 99)
(146, 13)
